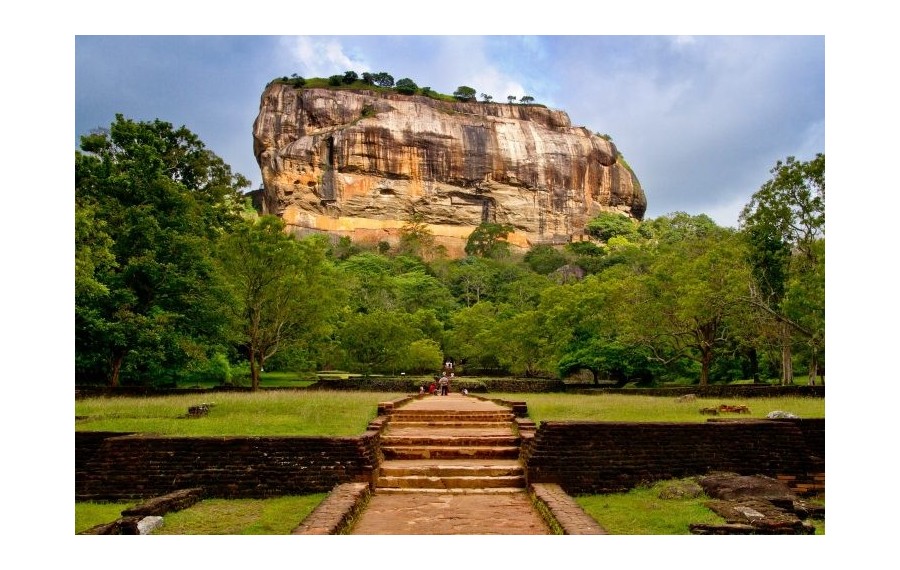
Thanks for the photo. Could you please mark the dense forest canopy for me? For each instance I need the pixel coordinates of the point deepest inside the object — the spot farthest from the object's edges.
(177, 278)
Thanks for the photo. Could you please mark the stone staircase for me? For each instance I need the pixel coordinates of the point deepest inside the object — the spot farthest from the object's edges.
(450, 451)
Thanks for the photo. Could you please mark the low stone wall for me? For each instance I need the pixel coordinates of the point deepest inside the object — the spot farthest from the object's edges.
(126, 466)
(411, 385)
(608, 457)
(710, 391)
(482, 385)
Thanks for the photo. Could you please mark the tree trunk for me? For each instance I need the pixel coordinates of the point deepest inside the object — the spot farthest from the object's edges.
(115, 367)
(706, 357)
(754, 365)
(254, 371)
(813, 368)
(787, 368)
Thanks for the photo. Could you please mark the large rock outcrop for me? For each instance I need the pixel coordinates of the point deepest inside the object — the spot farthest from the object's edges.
(361, 163)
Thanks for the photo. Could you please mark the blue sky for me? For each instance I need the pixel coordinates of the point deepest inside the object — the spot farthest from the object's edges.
(701, 119)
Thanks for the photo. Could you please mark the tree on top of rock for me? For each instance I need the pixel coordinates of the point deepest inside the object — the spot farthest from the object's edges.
(464, 93)
(406, 86)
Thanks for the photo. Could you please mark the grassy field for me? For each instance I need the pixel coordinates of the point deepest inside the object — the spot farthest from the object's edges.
(628, 408)
(282, 413)
(642, 511)
(278, 515)
(279, 413)
(90, 514)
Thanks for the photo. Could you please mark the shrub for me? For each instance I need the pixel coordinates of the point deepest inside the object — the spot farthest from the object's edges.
(406, 86)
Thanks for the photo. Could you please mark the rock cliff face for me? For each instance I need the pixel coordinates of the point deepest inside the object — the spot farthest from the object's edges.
(361, 163)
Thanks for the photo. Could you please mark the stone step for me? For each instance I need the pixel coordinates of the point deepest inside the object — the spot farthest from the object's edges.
(454, 491)
(451, 469)
(448, 452)
(451, 431)
(427, 415)
(450, 440)
(453, 482)
(402, 424)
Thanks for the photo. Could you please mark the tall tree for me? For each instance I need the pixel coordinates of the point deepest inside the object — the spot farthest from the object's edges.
(378, 341)
(284, 292)
(150, 200)
(686, 305)
(784, 224)
(417, 238)
(489, 240)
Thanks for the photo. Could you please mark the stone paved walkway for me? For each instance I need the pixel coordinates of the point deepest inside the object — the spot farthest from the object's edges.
(442, 513)
(483, 511)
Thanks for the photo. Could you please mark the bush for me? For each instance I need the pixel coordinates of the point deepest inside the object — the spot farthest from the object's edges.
(406, 86)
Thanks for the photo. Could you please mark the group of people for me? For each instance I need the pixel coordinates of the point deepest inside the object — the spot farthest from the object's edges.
(442, 385)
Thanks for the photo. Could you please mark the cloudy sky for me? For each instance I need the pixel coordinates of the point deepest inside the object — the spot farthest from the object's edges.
(701, 119)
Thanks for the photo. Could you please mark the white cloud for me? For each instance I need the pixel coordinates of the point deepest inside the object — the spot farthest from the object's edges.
(321, 57)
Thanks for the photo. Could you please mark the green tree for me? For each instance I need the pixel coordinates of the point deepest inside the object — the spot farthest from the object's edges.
(335, 80)
(691, 298)
(416, 237)
(464, 93)
(510, 99)
(383, 79)
(607, 225)
(368, 78)
(489, 240)
(284, 293)
(584, 324)
(423, 356)
(784, 224)
(349, 77)
(377, 341)
(545, 259)
(526, 99)
(520, 343)
(406, 86)
(150, 202)
(486, 98)
(470, 338)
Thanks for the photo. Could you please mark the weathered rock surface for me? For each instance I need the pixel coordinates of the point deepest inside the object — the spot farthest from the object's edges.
(359, 163)
(755, 505)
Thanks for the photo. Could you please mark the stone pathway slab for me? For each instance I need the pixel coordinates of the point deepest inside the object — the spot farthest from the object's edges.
(446, 514)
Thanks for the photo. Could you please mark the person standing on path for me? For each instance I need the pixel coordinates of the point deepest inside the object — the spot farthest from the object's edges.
(445, 385)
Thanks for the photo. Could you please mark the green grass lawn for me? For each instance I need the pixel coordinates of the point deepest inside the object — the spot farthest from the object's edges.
(90, 514)
(628, 408)
(278, 515)
(641, 511)
(279, 413)
(338, 413)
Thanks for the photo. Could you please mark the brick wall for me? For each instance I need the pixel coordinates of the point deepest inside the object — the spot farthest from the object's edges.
(411, 385)
(123, 466)
(591, 457)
